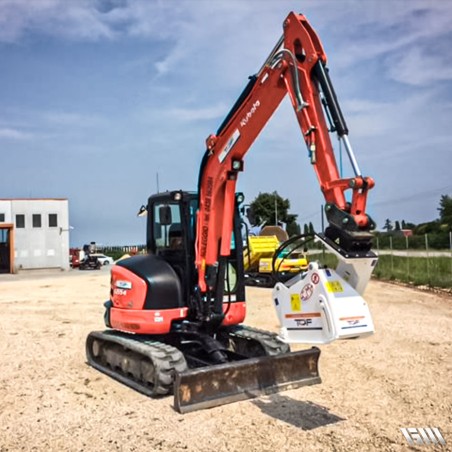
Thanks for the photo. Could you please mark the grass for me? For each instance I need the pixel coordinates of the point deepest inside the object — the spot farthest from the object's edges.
(419, 271)
(430, 271)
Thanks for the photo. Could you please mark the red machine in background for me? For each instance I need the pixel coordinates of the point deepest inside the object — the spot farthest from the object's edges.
(75, 257)
(176, 313)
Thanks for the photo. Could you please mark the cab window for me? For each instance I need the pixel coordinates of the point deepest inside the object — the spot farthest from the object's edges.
(167, 227)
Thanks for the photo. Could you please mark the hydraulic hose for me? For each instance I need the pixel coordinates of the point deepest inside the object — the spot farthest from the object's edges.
(302, 238)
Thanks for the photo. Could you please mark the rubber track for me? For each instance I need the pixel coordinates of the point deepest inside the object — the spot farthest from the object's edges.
(268, 340)
(165, 358)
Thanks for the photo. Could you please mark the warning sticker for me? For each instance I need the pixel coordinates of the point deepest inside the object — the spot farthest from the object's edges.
(315, 278)
(295, 302)
(307, 292)
(334, 286)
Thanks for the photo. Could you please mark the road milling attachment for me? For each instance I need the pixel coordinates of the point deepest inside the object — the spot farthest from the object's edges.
(259, 364)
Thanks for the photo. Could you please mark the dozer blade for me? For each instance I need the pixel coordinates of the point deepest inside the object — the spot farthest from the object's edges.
(207, 387)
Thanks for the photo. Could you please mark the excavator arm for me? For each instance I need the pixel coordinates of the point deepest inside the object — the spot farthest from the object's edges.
(297, 67)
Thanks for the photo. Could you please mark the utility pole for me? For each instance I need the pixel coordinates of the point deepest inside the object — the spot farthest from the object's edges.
(157, 178)
(276, 208)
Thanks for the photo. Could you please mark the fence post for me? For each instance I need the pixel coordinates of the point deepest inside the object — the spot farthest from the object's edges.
(428, 266)
(407, 259)
(392, 255)
(450, 246)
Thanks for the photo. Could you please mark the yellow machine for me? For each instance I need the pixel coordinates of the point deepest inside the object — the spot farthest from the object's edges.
(259, 254)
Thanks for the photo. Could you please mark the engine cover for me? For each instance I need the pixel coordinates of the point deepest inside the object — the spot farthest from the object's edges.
(146, 296)
(160, 287)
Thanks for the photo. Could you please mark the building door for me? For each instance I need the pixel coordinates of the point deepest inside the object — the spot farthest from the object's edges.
(6, 249)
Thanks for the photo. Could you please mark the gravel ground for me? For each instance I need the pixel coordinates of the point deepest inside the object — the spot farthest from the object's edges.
(50, 400)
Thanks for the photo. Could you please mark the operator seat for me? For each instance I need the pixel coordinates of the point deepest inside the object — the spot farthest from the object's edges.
(175, 237)
(175, 254)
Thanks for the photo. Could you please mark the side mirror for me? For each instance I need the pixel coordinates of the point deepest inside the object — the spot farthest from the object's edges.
(165, 215)
(143, 211)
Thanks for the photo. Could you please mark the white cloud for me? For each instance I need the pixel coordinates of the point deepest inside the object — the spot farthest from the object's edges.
(14, 134)
(67, 118)
(69, 19)
(195, 114)
(403, 40)
(22, 123)
(421, 67)
(400, 123)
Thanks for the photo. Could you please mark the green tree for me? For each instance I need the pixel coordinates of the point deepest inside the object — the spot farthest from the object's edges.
(397, 225)
(445, 211)
(273, 209)
(427, 228)
(388, 225)
(293, 228)
(407, 225)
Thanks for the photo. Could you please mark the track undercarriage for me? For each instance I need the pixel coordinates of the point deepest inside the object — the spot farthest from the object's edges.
(256, 363)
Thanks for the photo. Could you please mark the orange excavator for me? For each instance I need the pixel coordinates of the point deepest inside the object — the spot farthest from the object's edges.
(175, 315)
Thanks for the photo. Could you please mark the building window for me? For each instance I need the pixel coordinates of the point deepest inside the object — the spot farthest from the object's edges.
(2, 217)
(53, 220)
(20, 221)
(36, 220)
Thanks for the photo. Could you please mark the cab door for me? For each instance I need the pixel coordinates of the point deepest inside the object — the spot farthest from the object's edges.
(169, 238)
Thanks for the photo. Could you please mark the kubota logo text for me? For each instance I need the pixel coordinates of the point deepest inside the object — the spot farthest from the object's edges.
(248, 116)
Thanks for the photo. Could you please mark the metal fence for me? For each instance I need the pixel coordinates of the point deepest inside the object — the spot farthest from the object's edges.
(117, 251)
(414, 260)
(408, 259)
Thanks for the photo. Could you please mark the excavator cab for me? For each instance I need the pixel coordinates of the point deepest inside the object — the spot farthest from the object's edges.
(171, 232)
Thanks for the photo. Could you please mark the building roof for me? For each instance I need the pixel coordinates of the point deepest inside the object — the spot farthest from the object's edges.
(33, 199)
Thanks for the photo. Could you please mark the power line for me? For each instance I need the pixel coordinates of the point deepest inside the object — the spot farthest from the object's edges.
(311, 215)
(415, 196)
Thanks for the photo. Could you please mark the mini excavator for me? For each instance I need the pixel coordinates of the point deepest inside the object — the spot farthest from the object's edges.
(175, 315)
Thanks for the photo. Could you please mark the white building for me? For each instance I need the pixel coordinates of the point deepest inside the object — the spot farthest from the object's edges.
(34, 233)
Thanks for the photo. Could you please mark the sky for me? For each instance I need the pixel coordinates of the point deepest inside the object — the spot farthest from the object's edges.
(105, 101)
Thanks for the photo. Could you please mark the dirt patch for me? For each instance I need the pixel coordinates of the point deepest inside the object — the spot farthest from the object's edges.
(51, 400)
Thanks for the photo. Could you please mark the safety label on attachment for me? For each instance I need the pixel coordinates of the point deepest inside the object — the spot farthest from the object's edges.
(295, 302)
(334, 286)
